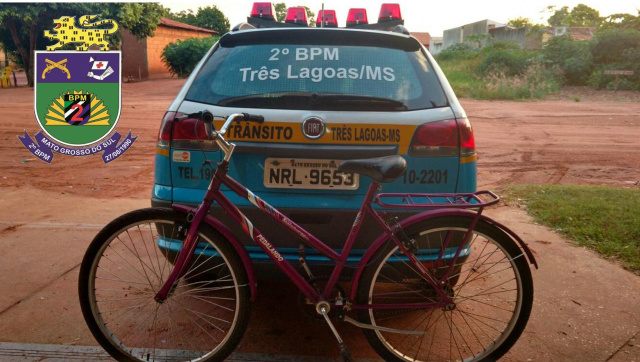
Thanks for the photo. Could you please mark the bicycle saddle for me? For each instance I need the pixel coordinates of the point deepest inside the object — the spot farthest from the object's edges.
(381, 169)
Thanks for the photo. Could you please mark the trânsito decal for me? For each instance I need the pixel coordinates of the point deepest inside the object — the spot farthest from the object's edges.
(78, 93)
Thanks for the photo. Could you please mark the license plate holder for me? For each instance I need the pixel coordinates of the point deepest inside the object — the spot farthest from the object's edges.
(309, 174)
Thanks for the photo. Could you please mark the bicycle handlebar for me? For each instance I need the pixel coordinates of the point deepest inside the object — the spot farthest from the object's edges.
(207, 118)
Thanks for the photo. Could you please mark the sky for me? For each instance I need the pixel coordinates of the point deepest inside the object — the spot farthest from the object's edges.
(424, 15)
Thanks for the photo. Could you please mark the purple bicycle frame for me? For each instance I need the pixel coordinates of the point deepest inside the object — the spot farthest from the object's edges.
(213, 194)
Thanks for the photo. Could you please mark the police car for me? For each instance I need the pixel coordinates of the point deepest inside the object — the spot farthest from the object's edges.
(327, 94)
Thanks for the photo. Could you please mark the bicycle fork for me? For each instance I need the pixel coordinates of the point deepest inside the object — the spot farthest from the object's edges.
(186, 254)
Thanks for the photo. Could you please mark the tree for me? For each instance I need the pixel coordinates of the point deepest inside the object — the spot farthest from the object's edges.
(478, 38)
(582, 15)
(520, 22)
(23, 23)
(559, 15)
(621, 21)
(281, 13)
(209, 17)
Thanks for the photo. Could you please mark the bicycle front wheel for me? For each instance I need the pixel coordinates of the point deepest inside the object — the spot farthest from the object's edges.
(490, 285)
(202, 319)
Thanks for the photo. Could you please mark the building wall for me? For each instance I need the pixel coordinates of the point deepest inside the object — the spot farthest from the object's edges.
(134, 57)
(451, 37)
(518, 35)
(163, 36)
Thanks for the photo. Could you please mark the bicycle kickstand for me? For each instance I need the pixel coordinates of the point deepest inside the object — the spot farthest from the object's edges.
(322, 308)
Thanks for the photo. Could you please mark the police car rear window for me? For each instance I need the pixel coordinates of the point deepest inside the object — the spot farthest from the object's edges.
(318, 77)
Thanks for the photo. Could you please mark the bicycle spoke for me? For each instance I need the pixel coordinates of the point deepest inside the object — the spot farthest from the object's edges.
(198, 315)
(483, 287)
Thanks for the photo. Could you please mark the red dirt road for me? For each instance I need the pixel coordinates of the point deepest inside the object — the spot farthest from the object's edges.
(561, 141)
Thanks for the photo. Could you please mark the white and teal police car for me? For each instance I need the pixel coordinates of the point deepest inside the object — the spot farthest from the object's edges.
(327, 94)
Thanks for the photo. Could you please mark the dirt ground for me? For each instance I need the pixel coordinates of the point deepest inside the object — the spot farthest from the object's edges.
(593, 141)
(46, 208)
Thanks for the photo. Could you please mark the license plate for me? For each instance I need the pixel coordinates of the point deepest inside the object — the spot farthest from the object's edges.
(307, 174)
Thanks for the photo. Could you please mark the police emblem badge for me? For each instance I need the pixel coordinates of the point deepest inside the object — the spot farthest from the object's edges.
(78, 93)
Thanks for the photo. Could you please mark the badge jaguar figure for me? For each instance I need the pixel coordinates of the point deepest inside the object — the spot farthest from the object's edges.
(67, 31)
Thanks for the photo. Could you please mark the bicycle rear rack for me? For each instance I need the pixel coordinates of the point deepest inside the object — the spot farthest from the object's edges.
(477, 199)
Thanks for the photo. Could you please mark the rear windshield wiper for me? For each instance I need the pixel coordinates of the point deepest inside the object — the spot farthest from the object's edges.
(369, 101)
(307, 100)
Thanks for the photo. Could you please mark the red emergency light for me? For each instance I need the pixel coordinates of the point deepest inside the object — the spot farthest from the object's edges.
(263, 11)
(357, 17)
(329, 19)
(296, 15)
(389, 12)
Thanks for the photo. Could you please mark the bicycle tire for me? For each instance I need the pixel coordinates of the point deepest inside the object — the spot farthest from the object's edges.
(125, 265)
(491, 285)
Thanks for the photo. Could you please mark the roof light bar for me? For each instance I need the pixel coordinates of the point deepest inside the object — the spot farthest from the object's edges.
(357, 17)
(389, 12)
(297, 15)
(263, 11)
(329, 19)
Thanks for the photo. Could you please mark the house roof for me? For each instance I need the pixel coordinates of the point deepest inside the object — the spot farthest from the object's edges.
(176, 24)
(423, 38)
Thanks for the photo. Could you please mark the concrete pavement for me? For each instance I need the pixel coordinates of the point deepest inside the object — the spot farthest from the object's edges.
(585, 308)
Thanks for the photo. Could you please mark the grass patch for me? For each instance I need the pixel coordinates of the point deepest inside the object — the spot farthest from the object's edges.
(601, 218)
(535, 82)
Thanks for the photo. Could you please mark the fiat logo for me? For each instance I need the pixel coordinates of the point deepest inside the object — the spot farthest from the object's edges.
(313, 128)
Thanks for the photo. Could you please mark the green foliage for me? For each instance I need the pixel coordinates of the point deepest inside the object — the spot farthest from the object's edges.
(209, 17)
(621, 21)
(609, 45)
(534, 82)
(500, 45)
(580, 15)
(520, 22)
(23, 24)
(478, 39)
(559, 15)
(601, 218)
(457, 51)
(573, 57)
(508, 61)
(182, 56)
(281, 13)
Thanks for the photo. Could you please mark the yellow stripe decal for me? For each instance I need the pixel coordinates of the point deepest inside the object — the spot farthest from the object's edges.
(468, 159)
(354, 134)
(162, 151)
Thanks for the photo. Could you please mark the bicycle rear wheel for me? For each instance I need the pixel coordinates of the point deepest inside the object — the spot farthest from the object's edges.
(202, 319)
(490, 284)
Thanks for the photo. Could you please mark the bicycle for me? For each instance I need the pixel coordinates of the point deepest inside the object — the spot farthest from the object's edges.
(445, 284)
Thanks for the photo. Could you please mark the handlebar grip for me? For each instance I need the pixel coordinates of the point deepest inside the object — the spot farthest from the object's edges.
(253, 118)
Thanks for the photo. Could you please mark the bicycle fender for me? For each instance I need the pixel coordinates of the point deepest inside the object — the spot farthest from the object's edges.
(226, 232)
(430, 215)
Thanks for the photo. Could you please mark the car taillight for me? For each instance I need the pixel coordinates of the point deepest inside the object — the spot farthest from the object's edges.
(389, 12)
(164, 136)
(357, 17)
(327, 19)
(187, 130)
(296, 15)
(263, 11)
(443, 139)
(467, 140)
(187, 134)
